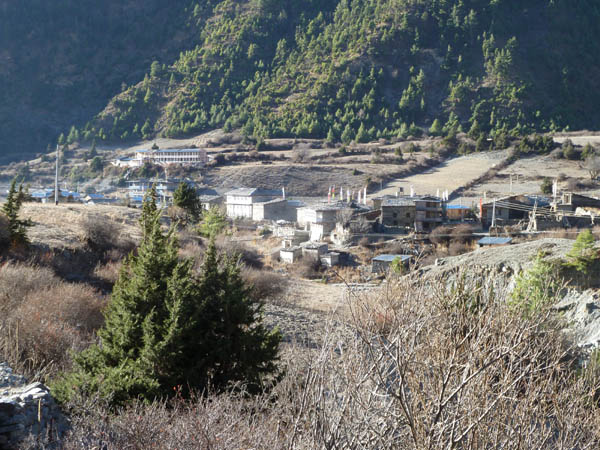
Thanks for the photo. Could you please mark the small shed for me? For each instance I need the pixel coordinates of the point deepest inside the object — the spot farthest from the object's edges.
(291, 254)
(491, 241)
(314, 249)
(382, 263)
(330, 259)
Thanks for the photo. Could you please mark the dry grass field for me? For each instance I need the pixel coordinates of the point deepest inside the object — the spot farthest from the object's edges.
(62, 226)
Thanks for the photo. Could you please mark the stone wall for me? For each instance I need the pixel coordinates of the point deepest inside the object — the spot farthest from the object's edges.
(26, 408)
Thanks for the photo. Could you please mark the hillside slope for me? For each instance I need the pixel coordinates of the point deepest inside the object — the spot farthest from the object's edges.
(336, 69)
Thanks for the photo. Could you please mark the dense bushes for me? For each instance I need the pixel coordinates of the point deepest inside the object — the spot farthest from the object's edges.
(43, 318)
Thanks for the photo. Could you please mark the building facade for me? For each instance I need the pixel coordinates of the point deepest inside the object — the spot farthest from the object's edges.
(163, 157)
(240, 202)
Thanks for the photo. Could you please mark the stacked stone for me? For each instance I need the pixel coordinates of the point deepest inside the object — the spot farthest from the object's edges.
(26, 409)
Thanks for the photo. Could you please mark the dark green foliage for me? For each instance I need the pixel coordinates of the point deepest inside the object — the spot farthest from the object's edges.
(17, 228)
(536, 286)
(213, 223)
(168, 331)
(583, 254)
(185, 197)
(96, 164)
(569, 151)
(546, 186)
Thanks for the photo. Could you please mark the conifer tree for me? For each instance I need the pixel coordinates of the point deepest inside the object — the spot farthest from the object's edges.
(17, 228)
(185, 197)
(167, 331)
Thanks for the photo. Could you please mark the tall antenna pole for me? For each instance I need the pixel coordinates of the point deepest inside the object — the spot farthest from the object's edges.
(56, 178)
(494, 214)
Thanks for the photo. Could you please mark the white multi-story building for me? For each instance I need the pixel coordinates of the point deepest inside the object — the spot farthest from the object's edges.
(163, 157)
(240, 202)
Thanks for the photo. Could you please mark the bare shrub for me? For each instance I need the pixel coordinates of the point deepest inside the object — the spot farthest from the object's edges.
(572, 184)
(247, 255)
(263, 284)
(108, 272)
(423, 365)
(307, 267)
(300, 155)
(462, 233)
(458, 248)
(99, 235)
(55, 321)
(364, 242)
(42, 318)
(441, 235)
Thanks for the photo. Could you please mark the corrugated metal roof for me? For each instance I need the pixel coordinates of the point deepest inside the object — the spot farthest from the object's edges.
(251, 192)
(457, 207)
(489, 240)
(398, 202)
(170, 150)
(390, 258)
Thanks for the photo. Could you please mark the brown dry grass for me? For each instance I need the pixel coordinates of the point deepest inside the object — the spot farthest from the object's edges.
(43, 318)
(62, 226)
(419, 366)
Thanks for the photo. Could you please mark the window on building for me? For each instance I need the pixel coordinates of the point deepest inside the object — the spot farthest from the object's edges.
(394, 215)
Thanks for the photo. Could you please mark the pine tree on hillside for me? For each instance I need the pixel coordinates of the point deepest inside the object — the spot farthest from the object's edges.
(167, 330)
(17, 228)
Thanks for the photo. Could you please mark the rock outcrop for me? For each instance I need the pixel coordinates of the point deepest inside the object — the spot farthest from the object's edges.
(26, 409)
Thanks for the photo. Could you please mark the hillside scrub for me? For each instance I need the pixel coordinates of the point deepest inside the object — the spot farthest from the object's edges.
(43, 319)
(419, 365)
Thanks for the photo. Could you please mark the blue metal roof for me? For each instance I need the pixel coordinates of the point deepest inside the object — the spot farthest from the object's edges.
(457, 207)
(171, 150)
(494, 240)
(390, 258)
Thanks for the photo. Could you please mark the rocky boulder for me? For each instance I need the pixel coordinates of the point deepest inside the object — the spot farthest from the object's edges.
(26, 409)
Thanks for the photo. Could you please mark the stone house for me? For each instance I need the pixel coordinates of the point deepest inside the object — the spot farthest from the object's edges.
(314, 249)
(290, 254)
(274, 210)
(383, 263)
(330, 259)
(423, 213)
(240, 202)
(510, 209)
(321, 220)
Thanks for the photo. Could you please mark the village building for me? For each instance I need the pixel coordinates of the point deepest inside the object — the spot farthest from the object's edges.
(512, 209)
(314, 250)
(321, 219)
(163, 157)
(136, 189)
(457, 213)
(330, 259)
(422, 213)
(99, 199)
(240, 202)
(398, 212)
(209, 198)
(274, 210)
(382, 263)
(290, 254)
(47, 196)
(571, 202)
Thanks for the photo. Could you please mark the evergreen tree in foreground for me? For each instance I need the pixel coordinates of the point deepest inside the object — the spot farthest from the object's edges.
(17, 228)
(167, 330)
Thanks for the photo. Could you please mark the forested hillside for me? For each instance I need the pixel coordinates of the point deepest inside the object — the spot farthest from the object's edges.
(337, 69)
(61, 61)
